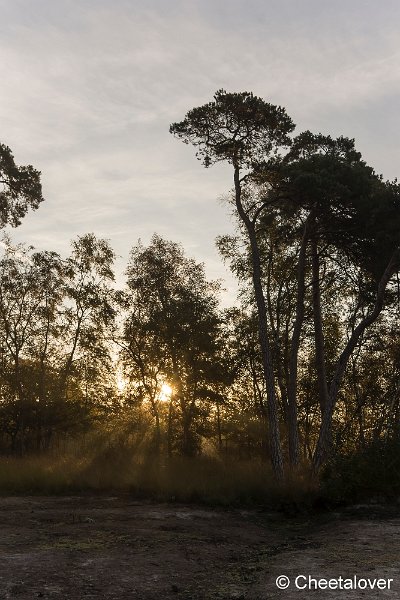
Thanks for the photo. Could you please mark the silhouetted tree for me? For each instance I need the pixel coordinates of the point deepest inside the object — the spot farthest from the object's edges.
(21, 189)
(172, 332)
(243, 129)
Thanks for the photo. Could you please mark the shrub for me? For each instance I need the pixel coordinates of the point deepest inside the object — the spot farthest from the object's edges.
(369, 474)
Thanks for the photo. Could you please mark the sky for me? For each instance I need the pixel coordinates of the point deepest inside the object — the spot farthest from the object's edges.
(90, 87)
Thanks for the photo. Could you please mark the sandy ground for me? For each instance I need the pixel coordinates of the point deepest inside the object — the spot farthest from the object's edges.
(115, 548)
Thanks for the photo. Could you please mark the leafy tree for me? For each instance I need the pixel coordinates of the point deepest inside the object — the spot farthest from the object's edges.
(88, 311)
(353, 218)
(21, 189)
(54, 315)
(243, 129)
(29, 295)
(300, 211)
(171, 334)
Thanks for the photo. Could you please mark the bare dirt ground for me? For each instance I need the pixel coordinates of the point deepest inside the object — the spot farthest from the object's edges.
(75, 548)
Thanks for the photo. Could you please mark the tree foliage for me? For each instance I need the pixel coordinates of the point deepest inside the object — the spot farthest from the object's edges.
(328, 205)
(304, 369)
(21, 189)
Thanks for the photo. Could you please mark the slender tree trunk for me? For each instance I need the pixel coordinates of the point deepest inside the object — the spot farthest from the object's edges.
(68, 365)
(273, 417)
(21, 402)
(219, 428)
(359, 400)
(169, 429)
(274, 327)
(157, 440)
(42, 389)
(320, 361)
(188, 445)
(294, 444)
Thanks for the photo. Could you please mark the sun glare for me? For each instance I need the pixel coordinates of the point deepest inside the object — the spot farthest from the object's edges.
(165, 392)
(121, 382)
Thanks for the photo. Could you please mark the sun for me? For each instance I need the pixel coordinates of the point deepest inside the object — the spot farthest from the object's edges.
(165, 392)
(121, 382)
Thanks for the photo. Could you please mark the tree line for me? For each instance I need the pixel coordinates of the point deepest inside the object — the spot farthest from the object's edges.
(305, 366)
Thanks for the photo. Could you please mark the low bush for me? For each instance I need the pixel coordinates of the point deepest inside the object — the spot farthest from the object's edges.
(369, 474)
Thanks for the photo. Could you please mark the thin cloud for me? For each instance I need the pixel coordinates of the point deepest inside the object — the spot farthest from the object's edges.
(89, 89)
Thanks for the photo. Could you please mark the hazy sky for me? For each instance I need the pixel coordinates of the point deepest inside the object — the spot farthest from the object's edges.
(89, 88)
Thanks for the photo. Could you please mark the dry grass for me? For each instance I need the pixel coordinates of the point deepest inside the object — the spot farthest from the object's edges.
(126, 468)
(178, 479)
